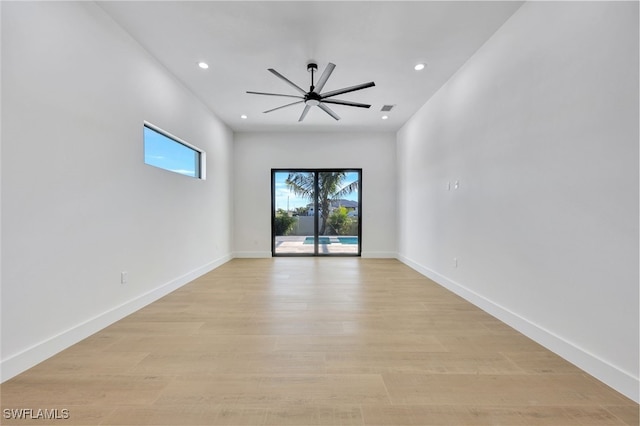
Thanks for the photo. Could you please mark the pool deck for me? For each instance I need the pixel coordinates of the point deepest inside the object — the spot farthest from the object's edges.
(295, 245)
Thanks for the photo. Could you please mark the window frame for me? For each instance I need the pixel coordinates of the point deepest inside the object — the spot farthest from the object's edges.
(201, 172)
(316, 172)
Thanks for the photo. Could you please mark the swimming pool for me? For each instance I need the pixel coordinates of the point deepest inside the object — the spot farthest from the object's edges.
(348, 240)
(327, 240)
(321, 240)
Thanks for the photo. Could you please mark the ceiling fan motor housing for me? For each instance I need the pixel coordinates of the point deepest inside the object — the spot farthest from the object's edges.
(312, 98)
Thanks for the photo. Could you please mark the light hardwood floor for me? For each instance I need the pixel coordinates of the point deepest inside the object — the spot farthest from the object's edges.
(308, 341)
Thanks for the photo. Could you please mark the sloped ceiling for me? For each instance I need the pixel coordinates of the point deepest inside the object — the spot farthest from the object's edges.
(368, 41)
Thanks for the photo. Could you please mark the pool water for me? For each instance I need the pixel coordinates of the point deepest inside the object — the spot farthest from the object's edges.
(348, 240)
(327, 240)
(321, 240)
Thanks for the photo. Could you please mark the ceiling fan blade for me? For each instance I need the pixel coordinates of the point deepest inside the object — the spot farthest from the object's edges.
(304, 112)
(283, 106)
(324, 77)
(339, 102)
(274, 94)
(291, 83)
(328, 111)
(347, 89)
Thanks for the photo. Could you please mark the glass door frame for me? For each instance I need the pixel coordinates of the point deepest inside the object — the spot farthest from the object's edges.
(316, 213)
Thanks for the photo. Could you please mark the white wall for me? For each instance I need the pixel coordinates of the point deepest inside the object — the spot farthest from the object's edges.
(78, 204)
(540, 128)
(255, 154)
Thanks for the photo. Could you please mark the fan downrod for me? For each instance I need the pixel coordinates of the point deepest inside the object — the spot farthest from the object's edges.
(312, 68)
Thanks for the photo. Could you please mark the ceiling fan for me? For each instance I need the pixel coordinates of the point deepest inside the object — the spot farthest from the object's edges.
(314, 97)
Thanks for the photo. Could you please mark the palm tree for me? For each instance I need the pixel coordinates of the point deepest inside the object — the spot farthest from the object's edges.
(331, 186)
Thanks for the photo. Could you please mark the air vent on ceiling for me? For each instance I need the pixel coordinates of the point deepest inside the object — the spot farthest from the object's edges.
(386, 108)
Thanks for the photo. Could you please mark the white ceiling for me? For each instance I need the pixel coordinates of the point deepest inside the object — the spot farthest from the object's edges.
(378, 41)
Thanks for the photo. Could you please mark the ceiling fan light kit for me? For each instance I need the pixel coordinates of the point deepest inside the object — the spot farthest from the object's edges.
(315, 97)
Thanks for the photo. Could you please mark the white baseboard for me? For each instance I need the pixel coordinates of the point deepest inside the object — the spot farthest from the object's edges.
(612, 376)
(251, 254)
(379, 254)
(39, 352)
(365, 254)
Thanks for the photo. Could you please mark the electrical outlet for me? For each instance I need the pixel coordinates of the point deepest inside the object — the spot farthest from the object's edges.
(124, 277)
(455, 262)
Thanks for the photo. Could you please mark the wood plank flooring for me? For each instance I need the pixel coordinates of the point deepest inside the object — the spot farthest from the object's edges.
(308, 341)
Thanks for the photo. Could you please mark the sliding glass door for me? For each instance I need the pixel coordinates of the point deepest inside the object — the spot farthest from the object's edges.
(316, 212)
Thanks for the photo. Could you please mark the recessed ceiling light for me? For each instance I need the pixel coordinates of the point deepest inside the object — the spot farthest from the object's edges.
(384, 117)
(419, 67)
(244, 117)
(203, 65)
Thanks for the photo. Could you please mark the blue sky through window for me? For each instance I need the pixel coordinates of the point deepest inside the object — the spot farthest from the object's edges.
(166, 153)
(285, 197)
